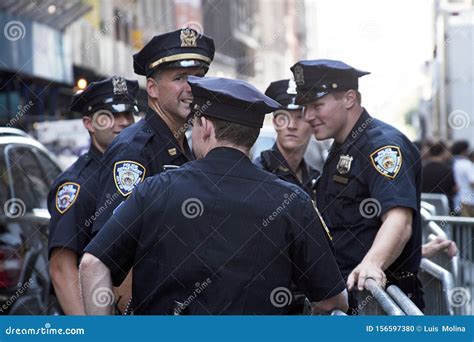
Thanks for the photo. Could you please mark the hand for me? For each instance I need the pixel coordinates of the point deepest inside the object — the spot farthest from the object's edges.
(364, 270)
(432, 248)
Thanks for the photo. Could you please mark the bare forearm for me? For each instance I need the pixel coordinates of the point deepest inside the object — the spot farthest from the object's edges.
(67, 288)
(96, 286)
(391, 238)
(338, 302)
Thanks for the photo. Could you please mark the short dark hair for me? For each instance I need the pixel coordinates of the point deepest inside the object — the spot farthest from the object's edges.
(339, 95)
(437, 148)
(460, 147)
(233, 133)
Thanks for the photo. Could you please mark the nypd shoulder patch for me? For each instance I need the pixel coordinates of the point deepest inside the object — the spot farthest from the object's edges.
(387, 160)
(66, 196)
(127, 175)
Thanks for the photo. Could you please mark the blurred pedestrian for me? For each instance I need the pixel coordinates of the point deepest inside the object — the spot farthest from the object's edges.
(464, 177)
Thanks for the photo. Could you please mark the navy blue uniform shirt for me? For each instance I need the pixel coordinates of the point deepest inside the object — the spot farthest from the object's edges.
(273, 161)
(140, 151)
(71, 203)
(218, 236)
(376, 169)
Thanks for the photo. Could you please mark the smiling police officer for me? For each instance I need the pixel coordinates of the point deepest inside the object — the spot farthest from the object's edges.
(369, 190)
(218, 235)
(107, 108)
(285, 158)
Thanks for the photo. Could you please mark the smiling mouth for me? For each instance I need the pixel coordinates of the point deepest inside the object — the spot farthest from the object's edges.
(187, 101)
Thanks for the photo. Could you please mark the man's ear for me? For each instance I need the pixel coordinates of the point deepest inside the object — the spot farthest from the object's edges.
(207, 127)
(152, 87)
(350, 99)
(87, 122)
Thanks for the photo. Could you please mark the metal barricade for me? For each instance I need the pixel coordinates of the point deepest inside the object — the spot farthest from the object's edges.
(402, 300)
(375, 301)
(438, 285)
(462, 228)
(439, 201)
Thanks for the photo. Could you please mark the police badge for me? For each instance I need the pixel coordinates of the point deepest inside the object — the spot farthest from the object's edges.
(120, 85)
(188, 37)
(127, 175)
(387, 160)
(344, 164)
(66, 196)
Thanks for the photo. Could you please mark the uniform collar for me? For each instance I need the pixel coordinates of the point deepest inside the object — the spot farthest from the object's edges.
(162, 130)
(95, 153)
(278, 163)
(226, 153)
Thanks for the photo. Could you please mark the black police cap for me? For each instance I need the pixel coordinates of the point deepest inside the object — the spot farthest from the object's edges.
(230, 100)
(115, 94)
(317, 78)
(183, 48)
(284, 92)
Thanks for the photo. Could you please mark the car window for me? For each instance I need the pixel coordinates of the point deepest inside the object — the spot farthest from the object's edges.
(50, 169)
(30, 184)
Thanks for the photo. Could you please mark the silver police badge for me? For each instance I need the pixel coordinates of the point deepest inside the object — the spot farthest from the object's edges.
(127, 175)
(120, 85)
(387, 160)
(299, 75)
(66, 196)
(344, 164)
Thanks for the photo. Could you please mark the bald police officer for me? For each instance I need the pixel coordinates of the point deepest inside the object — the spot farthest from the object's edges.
(369, 190)
(218, 235)
(107, 108)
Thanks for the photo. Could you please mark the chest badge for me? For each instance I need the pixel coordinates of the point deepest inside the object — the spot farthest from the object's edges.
(66, 196)
(344, 164)
(127, 175)
(387, 160)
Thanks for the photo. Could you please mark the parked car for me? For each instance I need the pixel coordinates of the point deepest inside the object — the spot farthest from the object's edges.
(27, 171)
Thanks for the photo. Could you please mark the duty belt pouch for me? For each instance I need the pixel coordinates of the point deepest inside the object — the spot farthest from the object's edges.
(406, 281)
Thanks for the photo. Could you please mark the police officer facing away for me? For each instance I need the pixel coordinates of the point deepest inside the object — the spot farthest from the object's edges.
(369, 190)
(108, 107)
(285, 158)
(159, 139)
(218, 235)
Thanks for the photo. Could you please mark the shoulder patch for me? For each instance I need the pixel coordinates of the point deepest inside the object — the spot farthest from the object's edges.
(127, 175)
(66, 196)
(387, 160)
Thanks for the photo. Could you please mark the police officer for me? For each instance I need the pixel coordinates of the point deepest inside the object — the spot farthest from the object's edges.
(369, 190)
(285, 158)
(218, 235)
(107, 108)
(158, 140)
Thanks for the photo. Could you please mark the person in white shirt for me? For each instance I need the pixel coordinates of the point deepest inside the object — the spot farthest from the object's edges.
(464, 176)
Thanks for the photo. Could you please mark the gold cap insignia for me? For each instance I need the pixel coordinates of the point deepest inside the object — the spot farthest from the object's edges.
(120, 85)
(188, 37)
(299, 75)
(172, 151)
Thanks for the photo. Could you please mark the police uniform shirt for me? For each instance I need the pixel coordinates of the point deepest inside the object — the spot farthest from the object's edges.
(217, 236)
(71, 203)
(140, 151)
(273, 161)
(376, 169)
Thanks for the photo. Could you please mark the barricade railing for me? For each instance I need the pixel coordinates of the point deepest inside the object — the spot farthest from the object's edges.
(402, 300)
